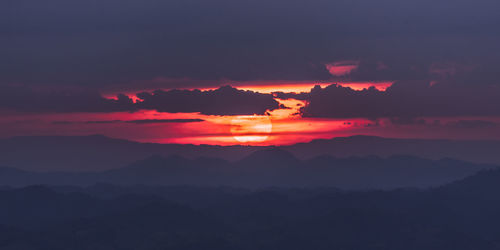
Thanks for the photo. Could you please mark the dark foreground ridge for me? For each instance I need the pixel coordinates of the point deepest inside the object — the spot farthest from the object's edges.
(142, 217)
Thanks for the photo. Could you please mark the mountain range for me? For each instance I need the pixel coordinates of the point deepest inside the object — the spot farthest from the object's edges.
(97, 153)
(462, 215)
(265, 168)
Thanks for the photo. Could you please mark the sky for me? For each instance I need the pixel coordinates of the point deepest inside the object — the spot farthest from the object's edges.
(271, 72)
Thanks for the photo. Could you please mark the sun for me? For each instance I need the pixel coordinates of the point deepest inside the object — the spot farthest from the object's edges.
(251, 128)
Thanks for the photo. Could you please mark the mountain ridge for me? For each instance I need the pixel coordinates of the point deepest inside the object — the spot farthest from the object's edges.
(267, 168)
(97, 152)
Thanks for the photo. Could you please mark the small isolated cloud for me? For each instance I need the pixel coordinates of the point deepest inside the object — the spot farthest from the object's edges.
(450, 70)
(342, 68)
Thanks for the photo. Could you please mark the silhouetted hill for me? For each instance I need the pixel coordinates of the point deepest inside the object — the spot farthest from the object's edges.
(269, 157)
(96, 153)
(472, 151)
(16, 177)
(156, 225)
(395, 171)
(267, 168)
(33, 206)
(182, 218)
(37, 205)
(172, 170)
(484, 184)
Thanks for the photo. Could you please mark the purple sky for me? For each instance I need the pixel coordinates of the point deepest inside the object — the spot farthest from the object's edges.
(63, 65)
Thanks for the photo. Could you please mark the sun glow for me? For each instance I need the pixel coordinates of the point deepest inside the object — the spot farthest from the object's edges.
(282, 126)
(251, 128)
(307, 86)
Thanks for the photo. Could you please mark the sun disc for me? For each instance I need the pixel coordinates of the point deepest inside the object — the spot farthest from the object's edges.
(251, 128)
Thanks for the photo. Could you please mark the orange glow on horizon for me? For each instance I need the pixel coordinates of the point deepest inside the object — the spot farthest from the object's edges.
(277, 127)
(381, 86)
(272, 87)
(287, 88)
(306, 87)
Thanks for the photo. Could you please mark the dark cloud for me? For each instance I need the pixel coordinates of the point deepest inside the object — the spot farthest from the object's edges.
(118, 42)
(404, 120)
(403, 103)
(472, 124)
(404, 99)
(459, 69)
(152, 44)
(27, 99)
(222, 101)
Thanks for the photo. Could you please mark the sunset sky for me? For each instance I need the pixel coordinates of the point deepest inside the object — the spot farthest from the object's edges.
(250, 72)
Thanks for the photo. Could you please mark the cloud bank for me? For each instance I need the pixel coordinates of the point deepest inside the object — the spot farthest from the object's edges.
(225, 100)
(403, 99)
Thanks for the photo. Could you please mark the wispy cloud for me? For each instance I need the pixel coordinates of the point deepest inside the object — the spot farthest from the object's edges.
(144, 121)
